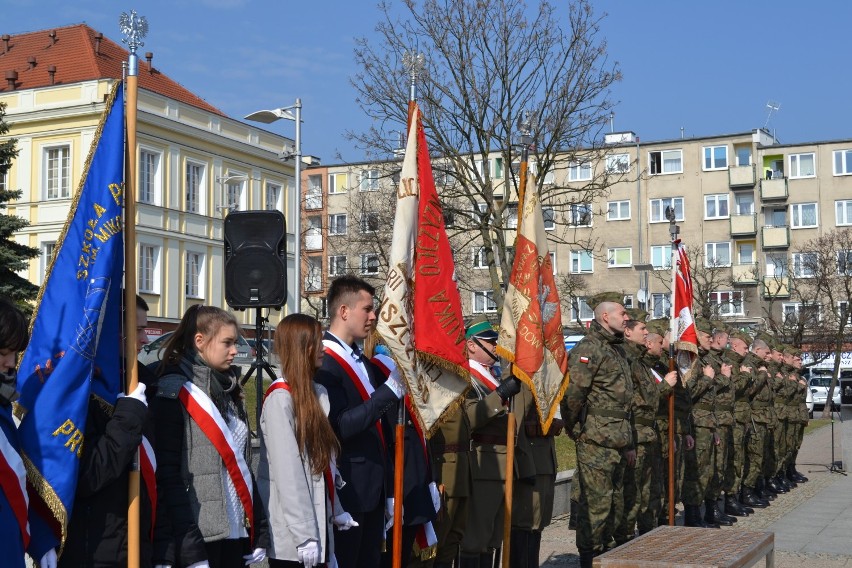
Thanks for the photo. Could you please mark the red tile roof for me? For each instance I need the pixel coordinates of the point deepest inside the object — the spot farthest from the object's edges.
(73, 54)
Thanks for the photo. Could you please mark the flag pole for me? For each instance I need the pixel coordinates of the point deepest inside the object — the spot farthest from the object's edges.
(134, 28)
(673, 232)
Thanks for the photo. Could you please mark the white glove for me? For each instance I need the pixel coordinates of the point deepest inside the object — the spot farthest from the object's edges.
(257, 555)
(202, 564)
(162, 566)
(139, 394)
(308, 553)
(436, 496)
(344, 521)
(388, 513)
(49, 559)
(396, 384)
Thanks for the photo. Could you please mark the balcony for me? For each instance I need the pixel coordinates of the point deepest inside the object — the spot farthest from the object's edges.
(742, 176)
(744, 274)
(313, 239)
(774, 189)
(743, 225)
(776, 287)
(776, 237)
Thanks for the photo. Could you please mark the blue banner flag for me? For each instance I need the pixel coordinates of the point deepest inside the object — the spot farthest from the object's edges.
(75, 345)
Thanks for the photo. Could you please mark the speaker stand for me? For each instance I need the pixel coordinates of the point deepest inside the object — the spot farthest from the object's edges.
(258, 366)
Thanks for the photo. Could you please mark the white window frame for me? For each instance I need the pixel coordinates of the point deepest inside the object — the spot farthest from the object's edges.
(62, 189)
(664, 254)
(796, 216)
(795, 308)
(842, 162)
(369, 180)
(579, 171)
(47, 249)
(334, 221)
(482, 302)
(618, 163)
(196, 204)
(663, 311)
(667, 160)
(511, 214)
(552, 256)
(580, 212)
(802, 266)
(611, 254)
(728, 306)
(843, 212)
(844, 259)
(150, 182)
(479, 258)
(657, 209)
(711, 252)
(586, 313)
(194, 283)
(235, 187)
(796, 166)
(313, 273)
(368, 222)
(334, 264)
(717, 199)
(149, 275)
(366, 264)
(277, 189)
(337, 183)
(313, 196)
(617, 205)
(709, 155)
(582, 262)
(4, 181)
(549, 215)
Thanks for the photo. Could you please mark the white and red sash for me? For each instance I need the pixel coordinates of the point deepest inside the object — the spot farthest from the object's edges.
(483, 375)
(657, 376)
(148, 469)
(13, 481)
(356, 374)
(202, 410)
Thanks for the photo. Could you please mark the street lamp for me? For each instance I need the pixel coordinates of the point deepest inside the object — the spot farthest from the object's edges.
(294, 113)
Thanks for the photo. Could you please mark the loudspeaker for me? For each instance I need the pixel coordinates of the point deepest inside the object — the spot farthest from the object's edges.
(255, 259)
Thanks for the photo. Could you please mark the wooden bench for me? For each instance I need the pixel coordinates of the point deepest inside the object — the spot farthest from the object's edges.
(689, 547)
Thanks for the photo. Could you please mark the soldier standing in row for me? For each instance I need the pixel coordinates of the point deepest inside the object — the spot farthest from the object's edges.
(742, 381)
(724, 413)
(758, 444)
(599, 396)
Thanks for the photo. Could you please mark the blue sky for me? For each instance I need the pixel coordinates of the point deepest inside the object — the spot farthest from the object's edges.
(708, 68)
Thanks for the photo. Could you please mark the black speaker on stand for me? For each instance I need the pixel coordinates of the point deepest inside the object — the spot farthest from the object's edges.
(256, 276)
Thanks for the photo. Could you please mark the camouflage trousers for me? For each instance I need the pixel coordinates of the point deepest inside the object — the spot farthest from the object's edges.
(640, 511)
(700, 467)
(779, 448)
(660, 487)
(795, 432)
(736, 462)
(758, 445)
(723, 454)
(600, 472)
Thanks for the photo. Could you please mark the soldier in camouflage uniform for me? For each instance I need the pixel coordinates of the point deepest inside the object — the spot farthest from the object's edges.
(759, 441)
(599, 396)
(802, 413)
(779, 422)
(795, 424)
(742, 380)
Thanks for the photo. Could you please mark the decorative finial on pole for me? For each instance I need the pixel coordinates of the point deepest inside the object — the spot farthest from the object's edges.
(525, 139)
(134, 27)
(414, 63)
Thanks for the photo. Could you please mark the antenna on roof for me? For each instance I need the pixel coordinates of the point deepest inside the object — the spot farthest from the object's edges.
(773, 107)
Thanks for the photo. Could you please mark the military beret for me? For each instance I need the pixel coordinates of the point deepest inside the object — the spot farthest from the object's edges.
(741, 335)
(481, 328)
(598, 299)
(768, 339)
(703, 324)
(720, 326)
(790, 350)
(637, 314)
(658, 326)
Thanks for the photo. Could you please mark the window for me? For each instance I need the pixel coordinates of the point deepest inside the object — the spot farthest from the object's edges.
(775, 216)
(776, 265)
(618, 210)
(273, 195)
(449, 218)
(313, 232)
(149, 266)
(727, 302)
(369, 264)
(498, 168)
(511, 214)
(582, 262)
(313, 198)
(618, 163)
(579, 171)
(628, 301)
(149, 177)
(480, 259)
(580, 214)
(804, 215)
(842, 162)
(798, 313)
(549, 218)
(552, 256)
(548, 177)
(483, 301)
(716, 206)
(844, 262)
(57, 174)
(843, 311)
(337, 264)
(744, 204)
(715, 158)
(743, 154)
(337, 224)
(47, 251)
(658, 209)
(336, 183)
(235, 195)
(369, 180)
(666, 162)
(194, 180)
(802, 165)
(745, 250)
(620, 257)
(805, 264)
(369, 222)
(661, 257)
(844, 212)
(4, 181)
(194, 273)
(313, 275)
(580, 310)
(661, 305)
(717, 254)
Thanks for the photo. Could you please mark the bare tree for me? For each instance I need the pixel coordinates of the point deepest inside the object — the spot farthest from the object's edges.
(486, 64)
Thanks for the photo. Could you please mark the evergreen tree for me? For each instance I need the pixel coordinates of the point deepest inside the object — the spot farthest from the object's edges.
(14, 256)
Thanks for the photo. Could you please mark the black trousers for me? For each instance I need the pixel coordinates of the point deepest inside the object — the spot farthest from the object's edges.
(361, 546)
(227, 553)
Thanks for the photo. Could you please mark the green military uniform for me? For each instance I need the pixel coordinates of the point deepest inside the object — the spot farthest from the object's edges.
(762, 415)
(778, 424)
(601, 391)
(742, 381)
(724, 414)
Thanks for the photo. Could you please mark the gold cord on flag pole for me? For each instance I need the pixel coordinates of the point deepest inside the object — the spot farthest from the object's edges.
(134, 28)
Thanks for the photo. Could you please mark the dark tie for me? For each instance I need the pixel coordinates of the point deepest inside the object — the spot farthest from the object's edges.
(357, 354)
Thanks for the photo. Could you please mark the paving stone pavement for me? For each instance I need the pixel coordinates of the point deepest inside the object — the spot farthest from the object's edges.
(812, 523)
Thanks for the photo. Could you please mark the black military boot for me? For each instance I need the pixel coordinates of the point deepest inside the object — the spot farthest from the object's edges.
(780, 486)
(520, 542)
(586, 559)
(791, 479)
(771, 488)
(741, 500)
(692, 516)
(572, 516)
(710, 520)
(722, 518)
(534, 549)
(798, 476)
(733, 507)
(752, 500)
